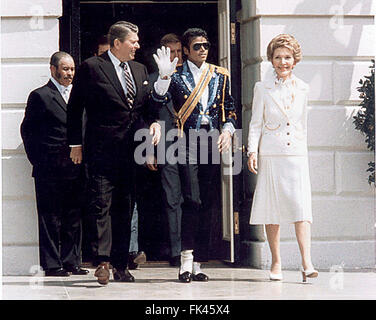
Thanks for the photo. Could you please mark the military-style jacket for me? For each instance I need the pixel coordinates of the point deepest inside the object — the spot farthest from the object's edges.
(220, 107)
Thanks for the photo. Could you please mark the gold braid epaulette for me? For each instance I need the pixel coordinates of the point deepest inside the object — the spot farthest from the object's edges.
(223, 71)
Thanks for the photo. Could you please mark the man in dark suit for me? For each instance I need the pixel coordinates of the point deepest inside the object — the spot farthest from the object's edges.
(114, 91)
(205, 116)
(169, 173)
(57, 179)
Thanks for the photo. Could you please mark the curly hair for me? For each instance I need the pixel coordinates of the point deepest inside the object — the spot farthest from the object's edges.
(284, 41)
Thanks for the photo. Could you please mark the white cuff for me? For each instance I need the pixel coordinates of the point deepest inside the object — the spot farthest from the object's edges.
(229, 127)
(161, 86)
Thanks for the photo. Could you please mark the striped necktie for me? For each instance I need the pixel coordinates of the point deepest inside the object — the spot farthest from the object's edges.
(130, 88)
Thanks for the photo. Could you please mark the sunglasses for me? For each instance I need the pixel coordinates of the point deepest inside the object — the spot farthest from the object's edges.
(197, 46)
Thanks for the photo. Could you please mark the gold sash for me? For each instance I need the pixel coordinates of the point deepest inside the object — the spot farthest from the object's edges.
(195, 96)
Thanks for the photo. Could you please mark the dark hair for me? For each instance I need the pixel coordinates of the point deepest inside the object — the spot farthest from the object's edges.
(102, 40)
(57, 56)
(192, 33)
(169, 38)
(120, 30)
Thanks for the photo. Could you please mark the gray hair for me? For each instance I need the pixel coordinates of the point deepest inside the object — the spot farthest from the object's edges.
(57, 56)
(120, 30)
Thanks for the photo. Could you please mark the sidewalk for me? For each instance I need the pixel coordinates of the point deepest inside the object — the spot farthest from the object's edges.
(159, 282)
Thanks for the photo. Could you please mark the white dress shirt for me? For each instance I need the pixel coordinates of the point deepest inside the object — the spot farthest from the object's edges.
(64, 91)
(120, 72)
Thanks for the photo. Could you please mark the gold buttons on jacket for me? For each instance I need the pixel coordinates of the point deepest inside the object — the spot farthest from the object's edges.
(214, 106)
(185, 96)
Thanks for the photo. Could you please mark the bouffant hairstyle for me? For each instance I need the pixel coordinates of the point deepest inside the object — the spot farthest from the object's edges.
(285, 41)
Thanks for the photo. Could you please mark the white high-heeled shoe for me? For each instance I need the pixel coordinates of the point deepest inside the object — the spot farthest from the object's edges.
(275, 276)
(309, 273)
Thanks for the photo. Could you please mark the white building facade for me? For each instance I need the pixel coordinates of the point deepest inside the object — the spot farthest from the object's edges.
(337, 39)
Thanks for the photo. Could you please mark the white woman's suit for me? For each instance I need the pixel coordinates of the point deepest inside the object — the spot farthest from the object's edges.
(278, 134)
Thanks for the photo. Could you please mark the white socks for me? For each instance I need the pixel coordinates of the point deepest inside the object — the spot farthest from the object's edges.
(196, 268)
(187, 263)
(186, 259)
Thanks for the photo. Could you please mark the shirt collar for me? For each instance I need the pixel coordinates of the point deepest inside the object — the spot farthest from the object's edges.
(281, 82)
(194, 68)
(115, 61)
(59, 86)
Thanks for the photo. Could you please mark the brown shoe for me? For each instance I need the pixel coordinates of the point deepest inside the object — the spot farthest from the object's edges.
(103, 272)
(122, 275)
(140, 258)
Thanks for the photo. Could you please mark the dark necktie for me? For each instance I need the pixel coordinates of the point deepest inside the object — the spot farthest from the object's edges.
(130, 88)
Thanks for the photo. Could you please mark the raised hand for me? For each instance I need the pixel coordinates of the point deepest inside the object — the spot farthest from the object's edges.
(166, 67)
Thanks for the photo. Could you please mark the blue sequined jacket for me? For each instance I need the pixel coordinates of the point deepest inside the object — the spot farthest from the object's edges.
(221, 108)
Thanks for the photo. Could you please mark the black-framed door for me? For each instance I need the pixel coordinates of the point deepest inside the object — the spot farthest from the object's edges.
(84, 21)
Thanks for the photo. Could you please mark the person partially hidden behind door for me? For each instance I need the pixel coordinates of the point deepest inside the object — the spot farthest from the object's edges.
(57, 180)
(169, 172)
(212, 110)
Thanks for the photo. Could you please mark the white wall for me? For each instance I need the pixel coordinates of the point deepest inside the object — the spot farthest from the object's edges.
(29, 36)
(337, 40)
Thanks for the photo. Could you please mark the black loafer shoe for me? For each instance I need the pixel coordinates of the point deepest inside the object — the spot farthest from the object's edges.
(185, 277)
(122, 275)
(78, 271)
(61, 272)
(200, 277)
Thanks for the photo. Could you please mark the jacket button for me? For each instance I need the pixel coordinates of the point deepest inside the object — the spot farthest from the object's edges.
(214, 106)
(185, 96)
(288, 133)
(288, 123)
(288, 143)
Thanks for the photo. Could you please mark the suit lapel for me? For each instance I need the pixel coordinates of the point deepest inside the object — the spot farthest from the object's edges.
(277, 100)
(109, 70)
(57, 96)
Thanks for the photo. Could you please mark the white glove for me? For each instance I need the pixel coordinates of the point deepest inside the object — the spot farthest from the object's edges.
(165, 66)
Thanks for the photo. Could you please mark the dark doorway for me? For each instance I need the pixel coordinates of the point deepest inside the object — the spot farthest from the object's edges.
(154, 19)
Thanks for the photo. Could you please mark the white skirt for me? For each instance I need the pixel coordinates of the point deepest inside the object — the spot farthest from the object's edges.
(283, 191)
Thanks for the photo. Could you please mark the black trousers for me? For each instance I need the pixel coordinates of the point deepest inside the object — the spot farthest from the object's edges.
(110, 206)
(59, 219)
(196, 178)
(172, 199)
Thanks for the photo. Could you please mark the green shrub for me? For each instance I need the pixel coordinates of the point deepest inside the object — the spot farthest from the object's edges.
(365, 119)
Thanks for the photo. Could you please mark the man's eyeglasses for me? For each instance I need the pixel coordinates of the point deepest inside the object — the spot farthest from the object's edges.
(197, 46)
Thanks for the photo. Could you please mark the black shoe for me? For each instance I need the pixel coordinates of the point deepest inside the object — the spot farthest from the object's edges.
(200, 277)
(175, 261)
(132, 265)
(131, 256)
(185, 277)
(60, 272)
(122, 275)
(78, 271)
